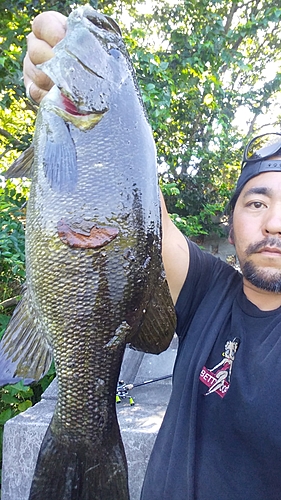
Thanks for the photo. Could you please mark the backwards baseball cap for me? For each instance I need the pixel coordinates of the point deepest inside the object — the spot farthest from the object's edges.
(258, 157)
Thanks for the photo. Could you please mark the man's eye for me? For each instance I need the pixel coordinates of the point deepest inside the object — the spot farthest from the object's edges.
(256, 204)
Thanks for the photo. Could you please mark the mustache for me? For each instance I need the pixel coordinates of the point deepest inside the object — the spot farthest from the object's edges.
(266, 242)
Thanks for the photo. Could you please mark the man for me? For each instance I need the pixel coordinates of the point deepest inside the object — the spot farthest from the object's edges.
(221, 436)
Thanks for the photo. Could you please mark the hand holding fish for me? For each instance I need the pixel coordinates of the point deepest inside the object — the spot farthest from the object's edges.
(47, 30)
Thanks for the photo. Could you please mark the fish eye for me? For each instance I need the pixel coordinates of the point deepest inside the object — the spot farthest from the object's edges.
(115, 53)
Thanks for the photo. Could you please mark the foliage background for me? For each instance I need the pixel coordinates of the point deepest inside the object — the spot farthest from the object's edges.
(209, 72)
(200, 65)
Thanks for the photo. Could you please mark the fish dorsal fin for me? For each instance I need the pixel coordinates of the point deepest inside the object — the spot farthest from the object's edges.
(22, 166)
(24, 351)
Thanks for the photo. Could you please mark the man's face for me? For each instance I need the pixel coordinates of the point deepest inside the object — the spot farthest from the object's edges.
(256, 231)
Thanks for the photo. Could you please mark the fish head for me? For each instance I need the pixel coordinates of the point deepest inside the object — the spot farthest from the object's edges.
(90, 64)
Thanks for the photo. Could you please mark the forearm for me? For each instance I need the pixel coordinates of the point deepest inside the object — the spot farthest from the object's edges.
(175, 253)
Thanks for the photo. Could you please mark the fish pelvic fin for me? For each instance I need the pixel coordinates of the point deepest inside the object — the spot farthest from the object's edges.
(24, 351)
(158, 325)
(22, 166)
(68, 468)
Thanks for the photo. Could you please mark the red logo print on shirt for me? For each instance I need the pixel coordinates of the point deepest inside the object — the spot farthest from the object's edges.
(217, 379)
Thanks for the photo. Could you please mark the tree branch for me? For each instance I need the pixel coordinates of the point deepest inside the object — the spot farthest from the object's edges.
(229, 18)
(10, 137)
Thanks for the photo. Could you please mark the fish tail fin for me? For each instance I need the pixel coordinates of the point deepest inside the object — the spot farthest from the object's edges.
(80, 470)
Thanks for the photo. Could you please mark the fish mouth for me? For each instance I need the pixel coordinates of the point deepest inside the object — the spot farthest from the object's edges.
(70, 107)
(71, 113)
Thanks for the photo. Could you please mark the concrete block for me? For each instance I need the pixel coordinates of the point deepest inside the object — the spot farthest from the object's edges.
(22, 439)
(220, 247)
(139, 425)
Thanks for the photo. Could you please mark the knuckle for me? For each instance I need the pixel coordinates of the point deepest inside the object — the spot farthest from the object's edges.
(43, 81)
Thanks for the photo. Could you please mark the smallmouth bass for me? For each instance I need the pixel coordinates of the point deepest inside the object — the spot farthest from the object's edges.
(94, 274)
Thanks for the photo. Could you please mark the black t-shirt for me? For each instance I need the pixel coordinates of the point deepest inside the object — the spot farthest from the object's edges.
(221, 435)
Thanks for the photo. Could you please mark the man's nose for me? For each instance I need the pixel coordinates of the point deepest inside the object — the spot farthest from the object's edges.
(272, 224)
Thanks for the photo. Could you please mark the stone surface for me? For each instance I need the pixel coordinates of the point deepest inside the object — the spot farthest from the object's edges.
(220, 247)
(139, 424)
(22, 438)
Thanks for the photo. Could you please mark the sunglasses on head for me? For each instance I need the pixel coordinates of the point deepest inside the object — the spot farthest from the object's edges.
(261, 147)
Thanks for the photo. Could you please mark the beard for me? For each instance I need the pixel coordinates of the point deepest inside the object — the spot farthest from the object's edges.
(263, 278)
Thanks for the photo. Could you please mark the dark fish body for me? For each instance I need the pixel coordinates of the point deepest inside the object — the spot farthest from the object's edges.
(94, 277)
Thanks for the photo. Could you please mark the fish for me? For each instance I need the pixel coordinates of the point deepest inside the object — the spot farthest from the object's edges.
(95, 280)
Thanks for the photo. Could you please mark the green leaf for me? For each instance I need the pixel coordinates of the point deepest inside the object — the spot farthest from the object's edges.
(24, 405)
(8, 398)
(5, 416)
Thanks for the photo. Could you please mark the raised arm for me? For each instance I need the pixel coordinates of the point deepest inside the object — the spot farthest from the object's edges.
(175, 253)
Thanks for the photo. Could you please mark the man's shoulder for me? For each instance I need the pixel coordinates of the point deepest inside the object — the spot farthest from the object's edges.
(202, 261)
(211, 285)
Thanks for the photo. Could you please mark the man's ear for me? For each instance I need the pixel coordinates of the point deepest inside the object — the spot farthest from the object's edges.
(231, 235)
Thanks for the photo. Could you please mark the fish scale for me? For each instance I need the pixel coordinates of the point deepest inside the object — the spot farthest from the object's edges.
(94, 273)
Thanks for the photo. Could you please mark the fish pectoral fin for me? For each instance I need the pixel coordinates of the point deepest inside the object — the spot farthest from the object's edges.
(59, 159)
(24, 351)
(22, 166)
(158, 324)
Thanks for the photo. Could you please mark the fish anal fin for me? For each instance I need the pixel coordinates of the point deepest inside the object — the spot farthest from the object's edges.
(24, 351)
(158, 324)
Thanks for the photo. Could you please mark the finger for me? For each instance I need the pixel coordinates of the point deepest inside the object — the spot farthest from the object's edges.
(35, 93)
(49, 26)
(40, 79)
(38, 50)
